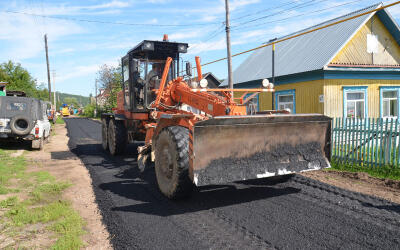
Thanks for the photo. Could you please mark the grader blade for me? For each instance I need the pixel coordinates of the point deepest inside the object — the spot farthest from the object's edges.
(225, 149)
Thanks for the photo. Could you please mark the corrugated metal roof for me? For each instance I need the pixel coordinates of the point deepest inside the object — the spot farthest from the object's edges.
(304, 53)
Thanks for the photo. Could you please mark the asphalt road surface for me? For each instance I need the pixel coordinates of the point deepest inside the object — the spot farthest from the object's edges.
(259, 214)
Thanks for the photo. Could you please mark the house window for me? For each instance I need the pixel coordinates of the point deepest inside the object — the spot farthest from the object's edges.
(389, 102)
(285, 99)
(252, 106)
(355, 102)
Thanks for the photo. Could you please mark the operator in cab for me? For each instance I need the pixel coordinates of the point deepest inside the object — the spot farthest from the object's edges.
(153, 79)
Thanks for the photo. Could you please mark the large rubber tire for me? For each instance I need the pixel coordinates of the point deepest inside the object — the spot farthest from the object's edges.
(21, 125)
(104, 134)
(117, 137)
(172, 162)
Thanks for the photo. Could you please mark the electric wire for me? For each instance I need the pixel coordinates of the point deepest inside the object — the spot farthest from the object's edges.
(263, 10)
(304, 33)
(299, 6)
(299, 15)
(107, 22)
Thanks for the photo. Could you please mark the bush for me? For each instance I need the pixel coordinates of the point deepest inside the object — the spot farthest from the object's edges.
(89, 111)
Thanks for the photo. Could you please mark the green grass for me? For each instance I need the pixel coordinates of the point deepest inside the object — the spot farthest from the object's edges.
(60, 120)
(10, 167)
(43, 206)
(385, 172)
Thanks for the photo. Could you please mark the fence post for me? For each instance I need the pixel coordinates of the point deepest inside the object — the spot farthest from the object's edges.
(367, 148)
(376, 142)
(397, 143)
(390, 143)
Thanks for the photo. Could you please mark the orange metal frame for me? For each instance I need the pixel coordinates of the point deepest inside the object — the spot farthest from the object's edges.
(170, 95)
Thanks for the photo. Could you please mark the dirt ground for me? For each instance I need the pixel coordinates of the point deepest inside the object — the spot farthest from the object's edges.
(64, 165)
(359, 182)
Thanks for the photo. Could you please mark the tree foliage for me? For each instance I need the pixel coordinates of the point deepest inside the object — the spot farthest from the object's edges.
(109, 79)
(18, 78)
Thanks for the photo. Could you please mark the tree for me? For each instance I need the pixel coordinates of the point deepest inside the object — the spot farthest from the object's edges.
(71, 101)
(110, 79)
(18, 78)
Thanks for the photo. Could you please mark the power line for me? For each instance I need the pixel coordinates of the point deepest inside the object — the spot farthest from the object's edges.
(303, 14)
(261, 11)
(213, 34)
(299, 6)
(107, 22)
(304, 32)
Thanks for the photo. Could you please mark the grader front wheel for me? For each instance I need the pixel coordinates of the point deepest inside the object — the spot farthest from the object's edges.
(172, 162)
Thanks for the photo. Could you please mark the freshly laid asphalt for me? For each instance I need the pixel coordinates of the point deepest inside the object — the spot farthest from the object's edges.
(260, 214)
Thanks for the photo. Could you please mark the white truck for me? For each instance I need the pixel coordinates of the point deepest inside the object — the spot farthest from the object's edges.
(24, 118)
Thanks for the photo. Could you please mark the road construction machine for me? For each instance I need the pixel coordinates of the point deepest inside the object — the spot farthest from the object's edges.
(200, 136)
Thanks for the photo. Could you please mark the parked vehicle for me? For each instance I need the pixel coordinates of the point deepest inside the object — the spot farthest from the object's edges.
(65, 111)
(24, 118)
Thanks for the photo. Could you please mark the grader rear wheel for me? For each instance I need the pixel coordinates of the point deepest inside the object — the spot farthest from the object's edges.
(172, 162)
(104, 134)
(116, 137)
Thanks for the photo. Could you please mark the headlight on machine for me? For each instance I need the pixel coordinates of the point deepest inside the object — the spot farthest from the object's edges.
(182, 48)
(203, 83)
(148, 46)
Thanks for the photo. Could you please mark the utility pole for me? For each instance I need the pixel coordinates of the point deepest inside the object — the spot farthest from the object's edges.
(95, 96)
(54, 88)
(273, 72)
(48, 66)
(228, 46)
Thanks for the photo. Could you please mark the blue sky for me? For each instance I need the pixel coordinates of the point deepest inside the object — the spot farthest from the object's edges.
(77, 49)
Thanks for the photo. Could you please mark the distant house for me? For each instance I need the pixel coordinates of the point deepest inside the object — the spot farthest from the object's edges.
(102, 97)
(351, 69)
(213, 82)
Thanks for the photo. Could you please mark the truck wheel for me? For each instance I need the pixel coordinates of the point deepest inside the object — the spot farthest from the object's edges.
(21, 125)
(117, 137)
(172, 162)
(104, 134)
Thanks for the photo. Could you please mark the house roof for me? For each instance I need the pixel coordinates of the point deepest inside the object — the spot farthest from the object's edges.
(308, 52)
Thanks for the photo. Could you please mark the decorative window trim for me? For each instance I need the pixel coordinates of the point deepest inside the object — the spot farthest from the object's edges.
(388, 88)
(285, 92)
(347, 89)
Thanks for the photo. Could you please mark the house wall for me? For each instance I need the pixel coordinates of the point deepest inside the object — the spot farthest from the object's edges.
(355, 51)
(307, 96)
(333, 94)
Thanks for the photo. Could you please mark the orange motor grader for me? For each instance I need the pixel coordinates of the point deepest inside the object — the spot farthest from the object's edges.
(200, 136)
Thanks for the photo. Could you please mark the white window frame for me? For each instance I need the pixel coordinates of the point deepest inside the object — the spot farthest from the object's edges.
(355, 89)
(381, 100)
(290, 92)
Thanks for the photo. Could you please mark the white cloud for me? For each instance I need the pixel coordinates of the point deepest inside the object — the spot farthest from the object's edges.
(66, 9)
(200, 47)
(184, 35)
(86, 70)
(25, 35)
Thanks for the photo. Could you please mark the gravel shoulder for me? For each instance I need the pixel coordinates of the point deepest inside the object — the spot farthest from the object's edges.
(57, 159)
(359, 182)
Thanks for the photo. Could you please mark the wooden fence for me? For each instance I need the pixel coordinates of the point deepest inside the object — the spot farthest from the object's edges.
(366, 142)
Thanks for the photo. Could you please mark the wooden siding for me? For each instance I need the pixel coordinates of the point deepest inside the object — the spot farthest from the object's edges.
(333, 93)
(307, 96)
(355, 51)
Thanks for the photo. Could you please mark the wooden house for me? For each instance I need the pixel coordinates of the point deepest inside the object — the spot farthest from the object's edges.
(351, 69)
